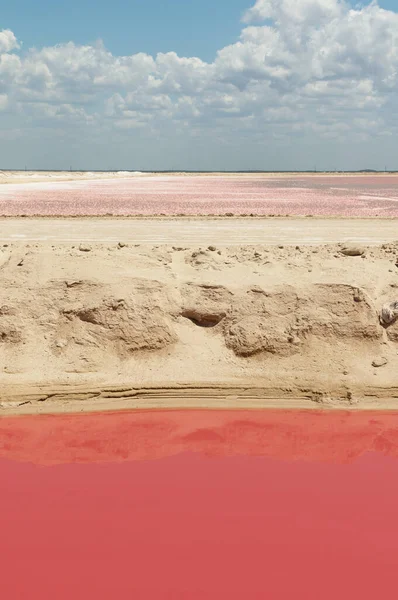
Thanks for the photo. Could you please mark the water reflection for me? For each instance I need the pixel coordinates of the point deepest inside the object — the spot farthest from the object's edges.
(199, 506)
(338, 437)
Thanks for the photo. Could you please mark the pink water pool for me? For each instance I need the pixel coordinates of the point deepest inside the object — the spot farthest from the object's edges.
(344, 195)
(199, 505)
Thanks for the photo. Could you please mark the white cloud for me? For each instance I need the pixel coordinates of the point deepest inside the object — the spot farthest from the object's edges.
(296, 11)
(8, 41)
(300, 67)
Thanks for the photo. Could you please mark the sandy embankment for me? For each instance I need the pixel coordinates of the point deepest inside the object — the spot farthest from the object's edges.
(13, 176)
(105, 326)
(10, 176)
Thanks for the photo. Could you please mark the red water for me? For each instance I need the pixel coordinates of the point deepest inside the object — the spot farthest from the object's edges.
(233, 505)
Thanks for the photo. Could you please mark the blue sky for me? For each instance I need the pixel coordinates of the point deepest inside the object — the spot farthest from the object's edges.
(189, 84)
(188, 27)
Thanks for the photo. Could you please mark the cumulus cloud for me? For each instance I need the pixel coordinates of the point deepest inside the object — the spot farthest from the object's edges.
(298, 67)
(8, 41)
(293, 11)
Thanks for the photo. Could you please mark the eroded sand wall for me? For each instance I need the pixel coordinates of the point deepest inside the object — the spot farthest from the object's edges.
(112, 322)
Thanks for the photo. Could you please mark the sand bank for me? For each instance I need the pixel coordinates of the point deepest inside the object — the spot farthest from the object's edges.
(105, 326)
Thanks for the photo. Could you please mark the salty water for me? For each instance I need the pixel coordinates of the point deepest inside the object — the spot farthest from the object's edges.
(199, 505)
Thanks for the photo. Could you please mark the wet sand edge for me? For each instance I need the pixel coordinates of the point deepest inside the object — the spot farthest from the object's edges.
(71, 399)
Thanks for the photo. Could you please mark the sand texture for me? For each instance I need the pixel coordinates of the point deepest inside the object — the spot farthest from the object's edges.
(96, 326)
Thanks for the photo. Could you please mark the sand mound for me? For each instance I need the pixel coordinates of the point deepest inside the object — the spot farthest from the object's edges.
(123, 324)
(118, 323)
(282, 319)
(254, 334)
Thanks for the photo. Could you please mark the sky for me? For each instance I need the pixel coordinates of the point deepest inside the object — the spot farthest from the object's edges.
(199, 85)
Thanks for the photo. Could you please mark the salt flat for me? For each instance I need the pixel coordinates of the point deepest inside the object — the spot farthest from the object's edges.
(155, 194)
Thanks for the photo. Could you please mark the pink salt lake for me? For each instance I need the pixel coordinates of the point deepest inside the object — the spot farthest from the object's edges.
(199, 505)
(318, 195)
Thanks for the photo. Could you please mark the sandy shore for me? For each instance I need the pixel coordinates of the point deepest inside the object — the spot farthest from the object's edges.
(11, 176)
(111, 326)
(7, 177)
